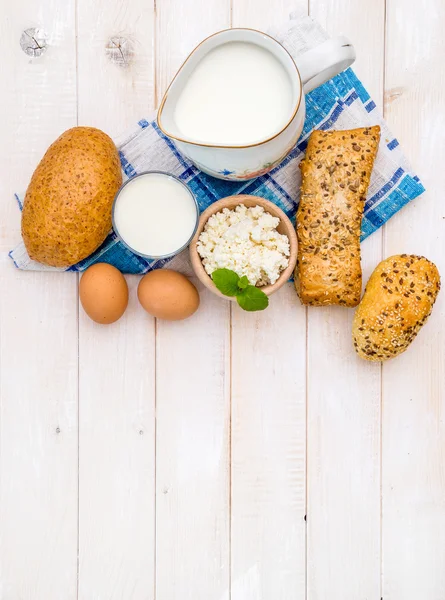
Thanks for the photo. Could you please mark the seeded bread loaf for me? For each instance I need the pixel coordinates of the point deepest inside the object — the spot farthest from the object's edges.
(398, 299)
(67, 209)
(335, 177)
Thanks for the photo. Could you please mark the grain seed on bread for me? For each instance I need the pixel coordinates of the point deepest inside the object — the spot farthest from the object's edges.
(398, 299)
(335, 177)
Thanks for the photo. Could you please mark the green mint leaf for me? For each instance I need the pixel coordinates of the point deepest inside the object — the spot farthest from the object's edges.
(252, 299)
(243, 283)
(226, 281)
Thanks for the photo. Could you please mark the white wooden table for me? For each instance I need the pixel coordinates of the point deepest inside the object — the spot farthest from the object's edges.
(232, 456)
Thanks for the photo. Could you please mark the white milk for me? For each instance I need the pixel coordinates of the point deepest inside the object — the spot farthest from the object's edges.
(239, 93)
(155, 214)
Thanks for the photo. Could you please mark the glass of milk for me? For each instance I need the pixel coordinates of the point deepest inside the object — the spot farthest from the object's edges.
(155, 215)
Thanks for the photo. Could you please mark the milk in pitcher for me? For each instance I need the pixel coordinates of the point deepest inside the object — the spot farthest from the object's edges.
(238, 94)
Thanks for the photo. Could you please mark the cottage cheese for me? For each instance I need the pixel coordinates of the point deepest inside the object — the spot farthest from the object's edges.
(246, 241)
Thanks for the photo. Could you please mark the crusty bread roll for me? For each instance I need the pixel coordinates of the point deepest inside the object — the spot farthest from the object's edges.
(335, 178)
(67, 209)
(398, 299)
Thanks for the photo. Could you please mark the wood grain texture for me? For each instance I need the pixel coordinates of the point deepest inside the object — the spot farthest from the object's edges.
(38, 435)
(192, 387)
(116, 458)
(116, 43)
(117, 362)
(268, 450)
(343, 391)
(192, 454)
(230, 494)
(38, 324)
(260, 14)
(414, 384)
(268, 541)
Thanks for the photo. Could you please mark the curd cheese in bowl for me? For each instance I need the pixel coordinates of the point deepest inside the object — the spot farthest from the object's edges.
(248, 235)
(246, 241)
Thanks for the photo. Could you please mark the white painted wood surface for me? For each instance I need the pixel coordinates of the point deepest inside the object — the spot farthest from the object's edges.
(413, 424)
(117, 363)
(38, 325)
(192, 395)
(343, 435)
(179, 460)
(268, 426)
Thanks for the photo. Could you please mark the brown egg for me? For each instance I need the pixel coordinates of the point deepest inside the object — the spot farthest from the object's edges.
(103, 293)
(168, 295)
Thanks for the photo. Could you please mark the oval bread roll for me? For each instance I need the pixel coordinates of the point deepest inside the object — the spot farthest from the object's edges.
(398, 299)
(67, 209)
(336, 172)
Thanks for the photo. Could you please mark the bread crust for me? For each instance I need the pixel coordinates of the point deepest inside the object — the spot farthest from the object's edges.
(335, 178)
(398, 299)
(67, 209)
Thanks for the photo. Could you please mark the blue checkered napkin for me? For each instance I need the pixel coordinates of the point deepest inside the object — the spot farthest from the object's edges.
(341, 103)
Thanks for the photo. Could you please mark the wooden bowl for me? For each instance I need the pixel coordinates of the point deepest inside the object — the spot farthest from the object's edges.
(231, 202)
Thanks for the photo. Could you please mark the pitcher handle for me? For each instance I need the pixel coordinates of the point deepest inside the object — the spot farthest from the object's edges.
(325, 61)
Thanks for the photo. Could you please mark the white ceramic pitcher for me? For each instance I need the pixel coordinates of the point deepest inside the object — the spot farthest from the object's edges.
(237, 162)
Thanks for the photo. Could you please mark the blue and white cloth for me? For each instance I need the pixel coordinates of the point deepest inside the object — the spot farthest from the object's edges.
(341, 103)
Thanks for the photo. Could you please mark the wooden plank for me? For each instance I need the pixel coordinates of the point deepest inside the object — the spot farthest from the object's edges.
(116, 63)
(192, 454)
(116, 457)
(268, 421)
(268, 450)
(117, 376)
(193, 388)
(344, 392)
(38, 435)
(38, 325)
(260, 14)
(414, 383)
